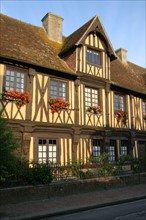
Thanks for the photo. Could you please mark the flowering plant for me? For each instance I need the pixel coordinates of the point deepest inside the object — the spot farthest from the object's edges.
(94, 109)
(21, 98)
(58, 103)
(122, 116)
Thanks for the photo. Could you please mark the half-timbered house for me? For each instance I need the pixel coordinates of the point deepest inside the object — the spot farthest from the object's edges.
(106, 94)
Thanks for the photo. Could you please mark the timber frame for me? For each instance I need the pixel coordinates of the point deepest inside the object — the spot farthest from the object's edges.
(74, 129)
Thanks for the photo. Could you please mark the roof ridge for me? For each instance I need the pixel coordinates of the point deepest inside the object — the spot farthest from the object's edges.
(16, 19)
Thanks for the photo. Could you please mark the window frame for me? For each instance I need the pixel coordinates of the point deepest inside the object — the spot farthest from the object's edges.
(91, 60)
(59, 81)
(113, 144)
(124, 145)
(16, 71)
(91, 97)
(117, 109)
(47, 158)
(98, 144)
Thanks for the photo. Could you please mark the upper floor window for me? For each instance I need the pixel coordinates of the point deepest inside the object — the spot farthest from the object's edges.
(119, 102)
(58, 89)
(144, 109)
(14, 80)
(93, 57)
(91, 97)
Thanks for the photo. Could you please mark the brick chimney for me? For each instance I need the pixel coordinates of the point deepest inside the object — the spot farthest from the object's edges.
(53, 26)
(122, 54)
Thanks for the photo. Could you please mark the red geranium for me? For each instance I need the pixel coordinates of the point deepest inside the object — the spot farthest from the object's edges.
(58, 103)
(21, 98)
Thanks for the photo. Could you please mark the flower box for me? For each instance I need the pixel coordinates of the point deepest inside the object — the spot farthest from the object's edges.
(122, 117)
(57, 104)
(21, 98)
(94, 110)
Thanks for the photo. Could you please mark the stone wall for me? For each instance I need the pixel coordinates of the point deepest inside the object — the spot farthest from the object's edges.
(29, 193)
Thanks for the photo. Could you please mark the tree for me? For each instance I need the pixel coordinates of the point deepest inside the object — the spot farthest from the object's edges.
(8, 144)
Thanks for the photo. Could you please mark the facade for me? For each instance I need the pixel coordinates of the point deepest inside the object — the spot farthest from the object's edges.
(105, 94)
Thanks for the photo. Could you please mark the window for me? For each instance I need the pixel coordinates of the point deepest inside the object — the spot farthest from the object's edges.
(111, 151)
(14, 80)
(91, 97)
(58, 89)
(144, 109)
(119, 102)
(47, 150)
(93, 57)
(124, 147)
(96, 149)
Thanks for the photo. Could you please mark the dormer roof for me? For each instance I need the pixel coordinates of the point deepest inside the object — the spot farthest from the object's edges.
(78, 37)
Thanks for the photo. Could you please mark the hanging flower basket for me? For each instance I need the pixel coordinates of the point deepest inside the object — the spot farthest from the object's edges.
(95, 110)
(21, 98)
(122, 117)
(57, 104)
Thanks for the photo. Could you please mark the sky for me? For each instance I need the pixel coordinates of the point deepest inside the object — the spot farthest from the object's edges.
(123, 20)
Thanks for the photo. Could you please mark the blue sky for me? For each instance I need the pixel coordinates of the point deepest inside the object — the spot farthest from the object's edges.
(123, 20)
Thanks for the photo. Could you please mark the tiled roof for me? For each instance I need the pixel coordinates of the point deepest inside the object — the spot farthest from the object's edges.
(72, 39)
(29, 43)
(130, 76)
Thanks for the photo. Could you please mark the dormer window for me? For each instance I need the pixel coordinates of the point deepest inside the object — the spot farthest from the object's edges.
(93, 57)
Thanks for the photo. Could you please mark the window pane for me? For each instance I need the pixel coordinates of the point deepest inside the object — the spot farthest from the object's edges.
(12, 80)
(93, 57)
(91, 97)
(144, 107)
(58, 89)
(119, 102)
(96, 148)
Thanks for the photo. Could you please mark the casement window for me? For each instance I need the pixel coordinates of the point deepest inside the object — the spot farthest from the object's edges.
(96, 149)
(112, 150)
(144, 109)
(93, 57)
(14, 80)
(47, 150)
(91, 97)
(119, 102)
(58, 89)
(124, 147)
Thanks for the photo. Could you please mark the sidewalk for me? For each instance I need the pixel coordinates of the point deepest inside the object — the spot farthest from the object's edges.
(71, 203)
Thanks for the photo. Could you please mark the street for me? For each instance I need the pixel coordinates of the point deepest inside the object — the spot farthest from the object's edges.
(133, 210)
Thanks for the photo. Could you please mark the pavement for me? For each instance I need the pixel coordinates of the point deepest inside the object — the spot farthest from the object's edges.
(56, 206)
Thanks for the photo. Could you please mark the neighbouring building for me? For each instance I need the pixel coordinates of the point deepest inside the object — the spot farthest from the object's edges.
(69, 98)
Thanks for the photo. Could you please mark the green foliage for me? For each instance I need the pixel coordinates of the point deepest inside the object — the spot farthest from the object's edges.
(125, 158)
(8, 142)
(8, 145)
(24, 173)
(140, 164)
(103, 158)
(36, 173)
(106, 170)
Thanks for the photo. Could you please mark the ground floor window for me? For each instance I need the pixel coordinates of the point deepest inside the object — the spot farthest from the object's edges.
(96, 149)
(47, 150)
(112, 150)
(124, 147)
(141, 149)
